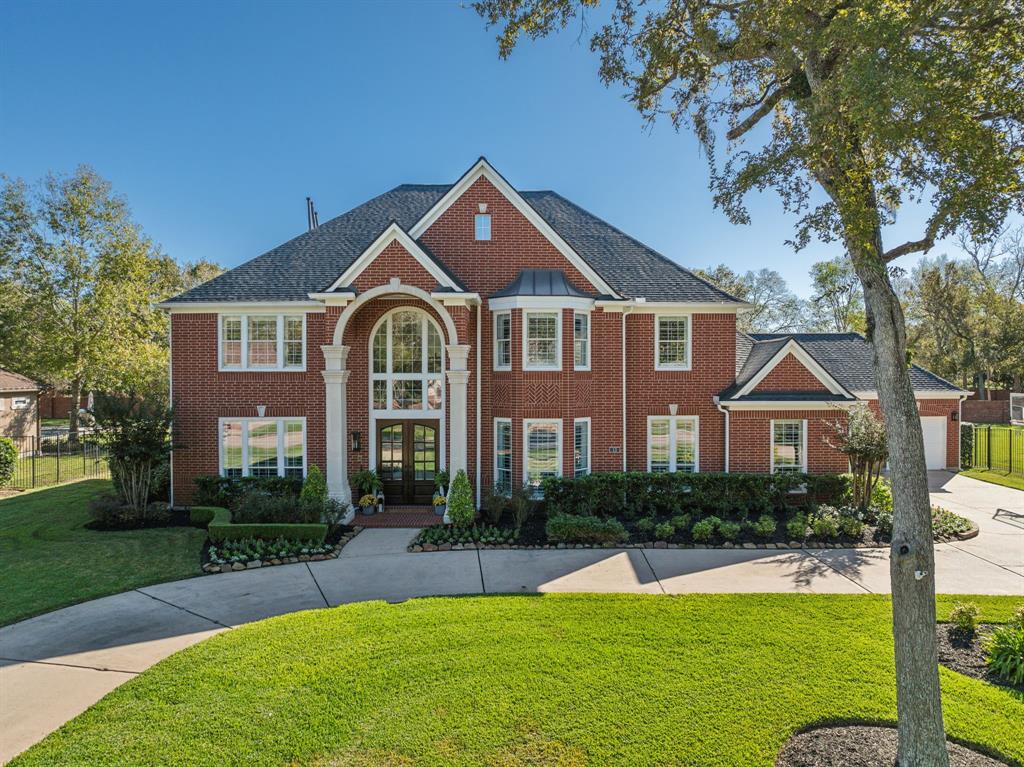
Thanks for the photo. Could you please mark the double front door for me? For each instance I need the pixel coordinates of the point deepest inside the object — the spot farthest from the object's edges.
(407, 458)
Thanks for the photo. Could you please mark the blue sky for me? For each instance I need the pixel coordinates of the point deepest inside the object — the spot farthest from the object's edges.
(215, 120)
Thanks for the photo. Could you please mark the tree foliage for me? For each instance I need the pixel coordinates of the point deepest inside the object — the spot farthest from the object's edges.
(837, 304)
(861, 438)
(775, 308)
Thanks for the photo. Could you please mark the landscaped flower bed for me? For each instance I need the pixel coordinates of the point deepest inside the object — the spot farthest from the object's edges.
(251, 553)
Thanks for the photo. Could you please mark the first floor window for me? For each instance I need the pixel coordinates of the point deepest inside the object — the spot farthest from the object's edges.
(503, 341)
(581, 447)
(503, 455)
(672, 342)
(263, 447)
(672, 443)
(542, 340)
(581, 341)
(543, 453)
(789, 446)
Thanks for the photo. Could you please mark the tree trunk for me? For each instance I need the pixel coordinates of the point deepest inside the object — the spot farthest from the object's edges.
(76, 397)
(922, 740)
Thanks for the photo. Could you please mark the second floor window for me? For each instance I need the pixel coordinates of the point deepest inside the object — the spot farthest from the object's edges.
(503, 341)
(672, 342)
(262, 342)
(407, 366)
(482, 226)
(581, 341)
(542, 347)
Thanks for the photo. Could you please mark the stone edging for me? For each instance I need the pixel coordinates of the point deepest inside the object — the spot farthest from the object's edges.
(211, 569)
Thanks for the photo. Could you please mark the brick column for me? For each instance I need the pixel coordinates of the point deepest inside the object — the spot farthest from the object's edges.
(336, 410)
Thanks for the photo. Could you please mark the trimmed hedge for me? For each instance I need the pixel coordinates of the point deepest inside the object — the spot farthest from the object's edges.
(574, 528)
(637, 494)
(220, 527)
(8, 460)
(215, 490)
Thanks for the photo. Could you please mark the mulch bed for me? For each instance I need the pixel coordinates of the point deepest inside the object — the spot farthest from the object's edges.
(965, 655)
(859, 746)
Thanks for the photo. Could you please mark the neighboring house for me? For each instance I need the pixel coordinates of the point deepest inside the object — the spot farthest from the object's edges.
(19, 408)
(512, 334)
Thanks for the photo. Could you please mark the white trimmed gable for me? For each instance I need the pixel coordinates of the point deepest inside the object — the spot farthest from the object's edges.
(391, 234)
(805, 359)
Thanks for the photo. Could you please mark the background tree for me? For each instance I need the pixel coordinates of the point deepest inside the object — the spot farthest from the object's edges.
(853, 108)
(837, 304)
(775, 308)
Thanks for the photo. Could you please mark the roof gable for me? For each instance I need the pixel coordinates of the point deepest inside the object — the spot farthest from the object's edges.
(788, 349)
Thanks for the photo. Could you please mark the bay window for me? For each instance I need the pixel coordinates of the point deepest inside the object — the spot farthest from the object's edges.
(581, 341)
(503, 455)
(672, 443)
(262, 342)
(542, 340)
(503, 341)
(263, 447)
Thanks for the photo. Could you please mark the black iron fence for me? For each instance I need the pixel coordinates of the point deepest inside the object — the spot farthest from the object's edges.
(998, 448)
(60, 458)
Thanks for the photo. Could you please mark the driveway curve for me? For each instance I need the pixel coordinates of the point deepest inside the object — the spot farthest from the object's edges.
(54, 666)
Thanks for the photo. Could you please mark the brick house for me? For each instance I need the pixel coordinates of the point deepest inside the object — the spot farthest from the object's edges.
(512, 334)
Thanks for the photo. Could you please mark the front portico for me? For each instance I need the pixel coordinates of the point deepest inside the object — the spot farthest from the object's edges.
(396, 376)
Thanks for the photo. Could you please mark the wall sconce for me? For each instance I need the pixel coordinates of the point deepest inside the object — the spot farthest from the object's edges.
(954, 416)
(261, 410)
(356, 442)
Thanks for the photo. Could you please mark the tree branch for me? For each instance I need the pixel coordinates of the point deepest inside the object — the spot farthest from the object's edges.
(755, 117)
(913, 246)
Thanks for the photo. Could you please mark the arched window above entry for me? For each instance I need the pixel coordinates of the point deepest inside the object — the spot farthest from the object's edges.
(407, 363)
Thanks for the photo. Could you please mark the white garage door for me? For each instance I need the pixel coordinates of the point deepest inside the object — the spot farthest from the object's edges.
(934, 429)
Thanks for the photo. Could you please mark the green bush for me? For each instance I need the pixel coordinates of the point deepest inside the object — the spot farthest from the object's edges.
(881, 497)
(730, 531)
(461, 511)
(314, 488)
(258, 507)
(705, 530)
(219, 527)
(946, 524)
(825, 522)
(681, 522)
(765, 526)
(850, 525)
(248, 549)
(796, 528)
(576, 528)
(1005, 651)
(214, 490)
(964, 618)
(439, 534)
(646, 526)
(523, 504)
(664, 531)
(966, 445)
(8, 460)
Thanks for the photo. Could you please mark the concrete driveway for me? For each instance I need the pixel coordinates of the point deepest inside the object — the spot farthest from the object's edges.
(54, 666)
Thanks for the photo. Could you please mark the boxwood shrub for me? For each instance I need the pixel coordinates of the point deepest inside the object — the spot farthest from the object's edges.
(576, 528)
(215, 490)
(220, 527)
(635, 494)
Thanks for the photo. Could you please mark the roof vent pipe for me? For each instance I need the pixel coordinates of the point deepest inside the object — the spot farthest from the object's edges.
(312, 219)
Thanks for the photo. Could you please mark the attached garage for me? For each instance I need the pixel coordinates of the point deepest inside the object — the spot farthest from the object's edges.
(934, 429)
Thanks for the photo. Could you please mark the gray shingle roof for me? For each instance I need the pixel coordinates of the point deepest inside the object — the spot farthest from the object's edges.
(313, 260)
(846, 356)
(540, 282)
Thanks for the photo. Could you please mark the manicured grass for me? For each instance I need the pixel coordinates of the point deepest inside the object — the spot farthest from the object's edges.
(525, 680)
(51, 470)
(48, 559)
(996, 477)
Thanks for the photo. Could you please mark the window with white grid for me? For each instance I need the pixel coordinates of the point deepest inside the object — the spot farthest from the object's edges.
(543, 452)
(503, 455)
(503, 341)
(581, 341)
(672, 342)
(789, 446)
(672, 443)
(262, 342)
(263, 447)
(541, 332)
(581, 447)
(407, 365)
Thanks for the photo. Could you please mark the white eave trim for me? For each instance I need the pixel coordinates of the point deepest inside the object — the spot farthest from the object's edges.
(785, 404)
(392, 233)
(449, 298)
(229, 307)
(504, 303)
(338, 298)
(642, 306)
(792, 347)
(483, 169)
(919, 394)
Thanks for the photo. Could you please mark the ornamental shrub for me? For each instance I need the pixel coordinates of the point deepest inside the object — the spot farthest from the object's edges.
(729, 531)
(1005, 649)
(705, 529)
(576, 528)
(966, 445)
(850, 525)
(765, 526)
(825, 522)
(796, 528)
(314, 489)
(664, 531)
(8, 460)
(881, 497)
(681, 522)
(256, 506)
(964, 618)
(646, 526)
(493, 504)
(461, 511)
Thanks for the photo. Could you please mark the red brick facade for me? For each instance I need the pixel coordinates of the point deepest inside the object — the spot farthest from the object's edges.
(203, 394)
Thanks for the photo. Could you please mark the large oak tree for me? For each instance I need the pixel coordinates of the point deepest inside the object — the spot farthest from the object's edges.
(848, 110)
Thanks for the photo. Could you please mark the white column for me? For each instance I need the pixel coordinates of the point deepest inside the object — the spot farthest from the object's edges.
(458, 380)
(336, 405)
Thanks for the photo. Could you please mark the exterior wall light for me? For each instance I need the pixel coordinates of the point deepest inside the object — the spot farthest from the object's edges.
(357, 442)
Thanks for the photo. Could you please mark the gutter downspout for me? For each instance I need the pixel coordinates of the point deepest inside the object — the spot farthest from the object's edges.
(718, 404)
(959, 431)
(625, 311)
(479, 312)
(170, 399)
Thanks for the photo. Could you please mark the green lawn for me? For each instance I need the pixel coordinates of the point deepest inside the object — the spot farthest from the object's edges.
(51, 470)
(48, 559)
(996, 477)
(525, 680)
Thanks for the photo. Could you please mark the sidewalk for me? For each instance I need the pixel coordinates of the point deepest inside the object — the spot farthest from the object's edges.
(54, 666)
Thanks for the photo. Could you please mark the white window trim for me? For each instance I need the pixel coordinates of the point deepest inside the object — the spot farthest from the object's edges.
(689, 341)
(558, 339)
(244, 365)
(245, 441)
(585, 366)
(527, 423)
(494, 340)
(803, 441)
(673, 440)
(391, 377)
(477, 218)
(590, 437)
(26, 403)
(511, 473)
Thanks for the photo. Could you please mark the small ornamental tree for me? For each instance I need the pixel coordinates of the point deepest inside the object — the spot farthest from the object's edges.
(136, 430)
(861, 439)
(460, 501)
(314, 488)
(8, 458)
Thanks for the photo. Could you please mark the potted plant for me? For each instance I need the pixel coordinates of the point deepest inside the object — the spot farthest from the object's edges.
(440, 502)
(364, 483)
(368, 504)
(441, 480)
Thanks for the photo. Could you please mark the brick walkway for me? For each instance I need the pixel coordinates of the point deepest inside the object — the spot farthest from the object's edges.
(400, 516)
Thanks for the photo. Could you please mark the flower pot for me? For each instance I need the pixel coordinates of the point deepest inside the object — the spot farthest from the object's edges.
(368, 511)
(439, 510)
